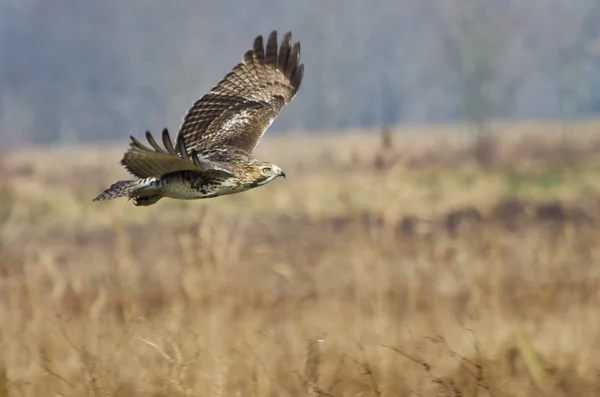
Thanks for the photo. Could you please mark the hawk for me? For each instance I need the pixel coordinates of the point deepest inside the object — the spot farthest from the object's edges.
(212, 152)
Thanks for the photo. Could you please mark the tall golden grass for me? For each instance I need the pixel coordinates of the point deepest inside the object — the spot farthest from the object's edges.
(367, 276)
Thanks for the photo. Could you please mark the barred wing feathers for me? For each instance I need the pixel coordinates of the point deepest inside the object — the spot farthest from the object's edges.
(144, 162)
(240, 108)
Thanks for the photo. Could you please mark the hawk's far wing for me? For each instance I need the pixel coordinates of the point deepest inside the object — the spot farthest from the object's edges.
(145, 162)
(239, 109)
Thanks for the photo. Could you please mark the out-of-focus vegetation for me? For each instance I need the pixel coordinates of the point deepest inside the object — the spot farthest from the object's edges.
(411, 259)
(388, 263)
(75, 71)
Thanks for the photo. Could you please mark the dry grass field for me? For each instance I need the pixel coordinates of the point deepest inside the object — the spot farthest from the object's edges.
(384, 265)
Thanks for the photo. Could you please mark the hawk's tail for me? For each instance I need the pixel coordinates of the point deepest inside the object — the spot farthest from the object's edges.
(120, 189)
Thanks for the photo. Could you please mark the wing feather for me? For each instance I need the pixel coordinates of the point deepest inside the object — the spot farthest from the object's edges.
(259, 49)
(239, 109)
(293, 59)
(271, 58)
(182, 149)
(145, 162)
(153, 143)
(167, 142)
(284, 52)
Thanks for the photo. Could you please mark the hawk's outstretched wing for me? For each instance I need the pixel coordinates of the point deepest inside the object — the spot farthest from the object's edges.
(145, 162)
(239, 109)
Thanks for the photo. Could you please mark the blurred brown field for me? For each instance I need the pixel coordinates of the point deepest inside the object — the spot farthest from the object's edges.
(405, 262)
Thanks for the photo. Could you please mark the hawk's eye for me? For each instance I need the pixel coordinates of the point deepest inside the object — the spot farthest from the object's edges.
(266, 170)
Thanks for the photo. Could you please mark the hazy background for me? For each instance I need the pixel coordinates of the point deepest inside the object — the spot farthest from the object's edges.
(74, 71)
(437, 233)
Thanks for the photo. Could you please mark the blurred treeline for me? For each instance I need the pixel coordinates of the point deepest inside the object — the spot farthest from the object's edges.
(74, 71)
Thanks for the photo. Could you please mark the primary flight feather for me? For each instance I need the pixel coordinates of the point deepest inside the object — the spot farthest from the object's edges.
(212, 152)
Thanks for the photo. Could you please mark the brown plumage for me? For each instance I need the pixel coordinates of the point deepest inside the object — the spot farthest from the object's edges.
(238, 110)
(212, 152)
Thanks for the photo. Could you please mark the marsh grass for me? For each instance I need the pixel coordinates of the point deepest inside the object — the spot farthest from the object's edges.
(316, 287)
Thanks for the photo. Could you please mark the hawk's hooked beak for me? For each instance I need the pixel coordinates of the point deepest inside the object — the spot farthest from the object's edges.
(277, 171)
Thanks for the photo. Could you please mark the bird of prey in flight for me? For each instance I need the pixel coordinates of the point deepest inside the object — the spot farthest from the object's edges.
(212, 152)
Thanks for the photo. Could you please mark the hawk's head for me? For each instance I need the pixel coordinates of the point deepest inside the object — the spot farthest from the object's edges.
(263, 172)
